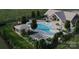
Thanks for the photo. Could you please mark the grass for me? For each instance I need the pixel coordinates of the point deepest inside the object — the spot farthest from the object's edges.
(15, 40)
(9, 35)
(72, 43)
(3, 44)
(8, 14)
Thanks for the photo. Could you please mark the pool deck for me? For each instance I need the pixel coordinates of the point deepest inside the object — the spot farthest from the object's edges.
(41, 35)
(38, 36)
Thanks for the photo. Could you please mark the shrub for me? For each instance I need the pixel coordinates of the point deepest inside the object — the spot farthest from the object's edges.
(23, 32)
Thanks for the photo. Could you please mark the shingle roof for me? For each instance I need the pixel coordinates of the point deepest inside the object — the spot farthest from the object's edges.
(77, 12)
(69, 15)
(51, 12)
(61, 15)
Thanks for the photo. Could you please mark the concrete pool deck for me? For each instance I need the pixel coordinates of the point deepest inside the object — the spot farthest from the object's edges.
(42, 35)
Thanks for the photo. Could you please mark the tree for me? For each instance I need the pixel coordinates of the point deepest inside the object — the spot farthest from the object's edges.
(34, 24)
(77, 27)
(27, 19)
(67, 25)
(37, 44)
(38, 14)
(67, 36)
(33, 14)
(23, 20)
(55, 39)
(42, 44)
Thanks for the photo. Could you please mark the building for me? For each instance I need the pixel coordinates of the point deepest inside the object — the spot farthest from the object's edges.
(19, 28)
(62, 16)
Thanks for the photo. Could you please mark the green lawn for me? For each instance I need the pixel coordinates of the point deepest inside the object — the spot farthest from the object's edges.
(15, 40)
(8, 14)
(3, 44)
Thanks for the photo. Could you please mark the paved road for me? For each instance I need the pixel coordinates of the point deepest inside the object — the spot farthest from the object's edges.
(3, 45)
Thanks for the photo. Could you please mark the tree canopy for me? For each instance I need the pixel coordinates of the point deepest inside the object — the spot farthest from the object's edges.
(55, 39)
(33, 14)
(77, 27)
(67, 25)
(38, 14)
(24, 20)
(34, 24)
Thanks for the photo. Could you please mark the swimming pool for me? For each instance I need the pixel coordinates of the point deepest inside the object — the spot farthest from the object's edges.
(44, 27)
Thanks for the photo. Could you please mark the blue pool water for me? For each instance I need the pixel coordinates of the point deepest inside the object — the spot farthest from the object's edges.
(44, 28)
